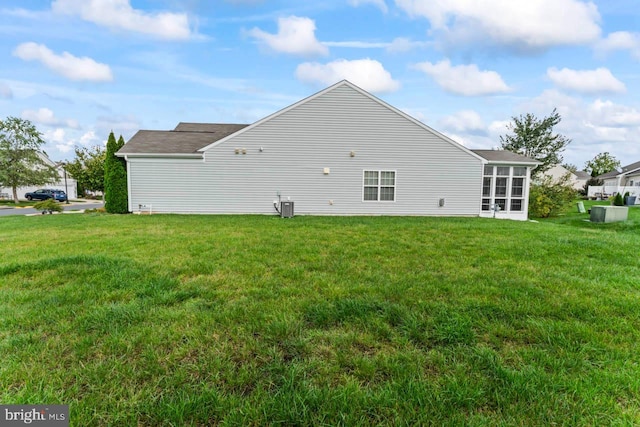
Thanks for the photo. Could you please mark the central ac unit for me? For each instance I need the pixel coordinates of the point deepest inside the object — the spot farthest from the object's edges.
(286, 209)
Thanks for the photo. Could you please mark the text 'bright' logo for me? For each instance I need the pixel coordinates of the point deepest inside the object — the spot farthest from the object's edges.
(42, 415)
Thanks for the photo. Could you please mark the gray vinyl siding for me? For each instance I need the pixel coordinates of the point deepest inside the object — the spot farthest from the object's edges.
(297, 145)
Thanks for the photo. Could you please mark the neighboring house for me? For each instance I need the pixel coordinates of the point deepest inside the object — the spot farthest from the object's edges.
(341, 151)
(70, 188)
(577, 179)
(581, 178)
(619, 181)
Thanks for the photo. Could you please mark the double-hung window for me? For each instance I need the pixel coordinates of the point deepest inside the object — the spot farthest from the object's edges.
(379, 186)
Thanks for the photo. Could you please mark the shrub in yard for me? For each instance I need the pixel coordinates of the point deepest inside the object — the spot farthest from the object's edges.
(115, 178)
(548, 197)
(96, 210)
(618, 200)
(48, 205)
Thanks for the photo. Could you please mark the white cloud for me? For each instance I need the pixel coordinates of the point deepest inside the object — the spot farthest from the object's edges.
(620, 40)
(296, 36)
(402, 44)
(586, 81)
(66, 65)
(527, 25)
(466, 122)
(594, 127)
(5, 91)
(89, 138)
(124, 125)
(378, 3)
(367, 73)
(465, 80)
(45, 116)
(119, 15)
(606, 113)
(355, 44)
(58, 138)
(499, 127)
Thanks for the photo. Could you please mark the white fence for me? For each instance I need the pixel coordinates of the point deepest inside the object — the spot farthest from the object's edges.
(604, 191)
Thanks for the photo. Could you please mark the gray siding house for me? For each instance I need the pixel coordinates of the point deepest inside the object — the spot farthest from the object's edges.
(341, 151)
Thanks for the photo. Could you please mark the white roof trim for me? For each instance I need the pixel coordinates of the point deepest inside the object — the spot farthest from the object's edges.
(631, 172)
(507, 162)
(363, 92)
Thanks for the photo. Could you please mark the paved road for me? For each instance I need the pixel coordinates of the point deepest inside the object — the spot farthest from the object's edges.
(70, 207)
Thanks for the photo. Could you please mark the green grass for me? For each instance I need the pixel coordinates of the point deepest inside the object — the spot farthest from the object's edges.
(249, 320)
(11, 204)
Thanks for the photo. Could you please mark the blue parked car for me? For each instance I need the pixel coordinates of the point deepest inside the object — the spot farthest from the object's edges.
(47, 193)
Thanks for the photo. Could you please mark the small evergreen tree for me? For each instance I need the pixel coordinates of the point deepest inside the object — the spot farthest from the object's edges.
(617, 200)
(115, 178)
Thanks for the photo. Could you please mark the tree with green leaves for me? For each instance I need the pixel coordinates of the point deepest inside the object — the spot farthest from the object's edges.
(115, 178)
(88, 169)
(536, 139)
(20, 162)
(601, 163)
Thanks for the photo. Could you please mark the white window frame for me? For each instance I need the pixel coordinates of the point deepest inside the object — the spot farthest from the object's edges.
(380, 186)
(508, 196)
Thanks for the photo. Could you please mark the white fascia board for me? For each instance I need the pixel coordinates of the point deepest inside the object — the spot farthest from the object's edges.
(631, 172)
(506, 162)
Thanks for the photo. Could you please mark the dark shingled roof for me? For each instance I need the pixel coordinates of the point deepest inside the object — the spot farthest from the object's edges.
(582, 174)
(504, 156)
(625, 169)
(187, 138)
(631, 167)
(219, 128)
(611, 174)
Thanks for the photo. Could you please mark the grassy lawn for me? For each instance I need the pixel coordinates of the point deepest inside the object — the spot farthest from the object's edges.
(251, 320)
(11, 204)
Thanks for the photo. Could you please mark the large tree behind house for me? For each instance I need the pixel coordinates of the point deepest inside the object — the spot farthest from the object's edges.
(536, 139)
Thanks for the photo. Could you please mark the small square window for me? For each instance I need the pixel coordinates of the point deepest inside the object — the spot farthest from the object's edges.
(519, 171)
(503, 170)
(488, 170)
(516, 205)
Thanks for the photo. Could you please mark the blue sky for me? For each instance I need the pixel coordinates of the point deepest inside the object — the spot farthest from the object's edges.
(80, 68)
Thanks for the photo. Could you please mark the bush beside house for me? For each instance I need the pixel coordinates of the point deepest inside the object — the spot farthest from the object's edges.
(115, 178)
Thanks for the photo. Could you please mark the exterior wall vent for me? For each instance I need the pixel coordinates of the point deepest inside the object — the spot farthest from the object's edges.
(286, 209)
